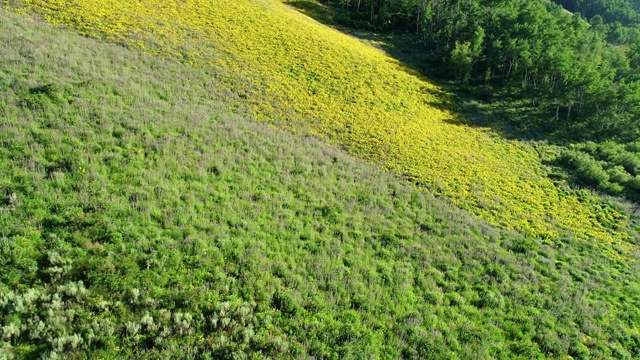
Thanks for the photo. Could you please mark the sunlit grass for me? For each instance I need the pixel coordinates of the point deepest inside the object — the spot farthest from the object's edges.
(144, 216)
(295, 73)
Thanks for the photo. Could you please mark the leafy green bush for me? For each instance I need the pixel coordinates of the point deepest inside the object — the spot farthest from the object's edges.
(609, 167)
(587, 169)
(618, 174)
(633, 147)
(634, 183)
(631, 163)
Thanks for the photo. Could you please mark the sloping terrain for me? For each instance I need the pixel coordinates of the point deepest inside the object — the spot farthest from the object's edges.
(298, 74)
(143, 214)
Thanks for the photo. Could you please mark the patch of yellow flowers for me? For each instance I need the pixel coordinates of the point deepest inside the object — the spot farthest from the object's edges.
(298, 74)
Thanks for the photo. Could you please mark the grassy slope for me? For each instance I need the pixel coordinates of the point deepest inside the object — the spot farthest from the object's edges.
(142, 216)
(296, 73)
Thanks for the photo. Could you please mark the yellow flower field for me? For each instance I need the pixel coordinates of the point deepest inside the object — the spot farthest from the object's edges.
(298, 74)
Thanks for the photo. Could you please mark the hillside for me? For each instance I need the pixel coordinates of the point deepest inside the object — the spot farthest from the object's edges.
(530, 70)
(297, 74)
(149, 207)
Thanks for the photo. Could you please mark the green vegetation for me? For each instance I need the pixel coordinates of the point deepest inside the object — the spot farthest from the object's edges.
(295, 73)
(610, 167)
(569, 78)
(582, 76)
(615, 12)
(144, 215)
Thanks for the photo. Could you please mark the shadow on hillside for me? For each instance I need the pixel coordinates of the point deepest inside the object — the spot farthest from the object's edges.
(398, 46)
(471, 106)
(474, 106)
(410, 56)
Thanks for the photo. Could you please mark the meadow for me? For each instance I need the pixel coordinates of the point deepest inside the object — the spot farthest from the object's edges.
(294, 73)
(151, 207)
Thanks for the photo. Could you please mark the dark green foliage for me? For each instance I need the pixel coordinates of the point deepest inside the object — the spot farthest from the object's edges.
(142, 216)
(610, 167)
(580, 77)
(619, 175)
(610, 11)
(586, 168)
(630, 162)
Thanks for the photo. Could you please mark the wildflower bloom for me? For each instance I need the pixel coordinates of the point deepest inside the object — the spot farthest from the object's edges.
(296, 74)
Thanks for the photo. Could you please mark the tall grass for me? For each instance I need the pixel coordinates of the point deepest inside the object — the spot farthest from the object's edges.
(294, 73)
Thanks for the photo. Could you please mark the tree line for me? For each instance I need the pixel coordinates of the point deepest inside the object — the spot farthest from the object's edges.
(576, 60)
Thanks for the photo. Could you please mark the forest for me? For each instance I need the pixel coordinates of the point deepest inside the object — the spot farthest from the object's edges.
(578, 60)
(573, 66)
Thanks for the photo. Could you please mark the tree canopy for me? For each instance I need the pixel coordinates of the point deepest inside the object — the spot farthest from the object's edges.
(575, 60)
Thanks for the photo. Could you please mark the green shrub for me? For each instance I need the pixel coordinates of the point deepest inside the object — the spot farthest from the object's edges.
(633, 147)
(618, 174)
(589, 147)
(587, 170)
(609, 151)
(631, 163)
(634, 183)
(612, 188)
(609, 166)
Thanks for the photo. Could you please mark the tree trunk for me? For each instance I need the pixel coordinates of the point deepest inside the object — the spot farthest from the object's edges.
(511, 64)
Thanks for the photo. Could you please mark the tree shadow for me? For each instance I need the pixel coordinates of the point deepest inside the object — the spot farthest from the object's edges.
(410, 55)
(471, 105)
(479, 106)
